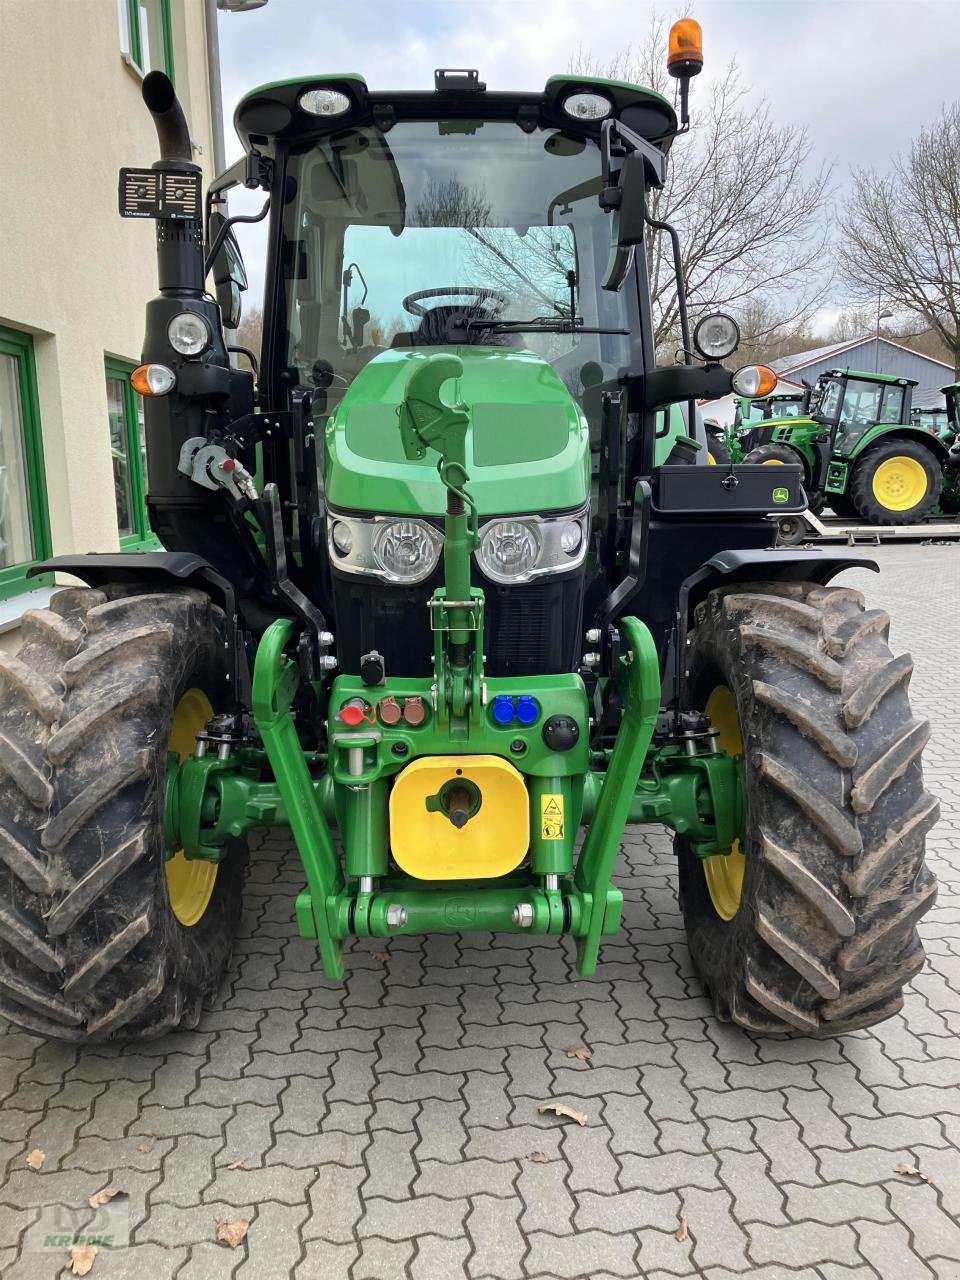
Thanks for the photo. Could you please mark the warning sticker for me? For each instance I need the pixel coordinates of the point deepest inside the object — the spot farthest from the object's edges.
(551, 817)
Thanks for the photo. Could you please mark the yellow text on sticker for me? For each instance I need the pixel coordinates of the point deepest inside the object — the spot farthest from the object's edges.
(551, 816)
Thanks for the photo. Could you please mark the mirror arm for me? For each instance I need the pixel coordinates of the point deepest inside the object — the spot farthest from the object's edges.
(672, 384)
(225, 227)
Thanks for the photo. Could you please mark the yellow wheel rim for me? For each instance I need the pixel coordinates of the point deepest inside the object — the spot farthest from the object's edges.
(772, 462)
(711, 460)
(724, 872)
(900, 483)
(189, 881)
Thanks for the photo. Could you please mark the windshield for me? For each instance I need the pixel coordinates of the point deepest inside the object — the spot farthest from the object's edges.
(396, 236)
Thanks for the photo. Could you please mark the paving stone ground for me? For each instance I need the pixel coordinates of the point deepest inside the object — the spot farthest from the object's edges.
(385, 1126)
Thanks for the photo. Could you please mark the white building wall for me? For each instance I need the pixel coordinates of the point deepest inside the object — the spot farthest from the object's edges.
(72, 273)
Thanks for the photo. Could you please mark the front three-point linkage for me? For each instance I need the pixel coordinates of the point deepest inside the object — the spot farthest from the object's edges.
(456, 610)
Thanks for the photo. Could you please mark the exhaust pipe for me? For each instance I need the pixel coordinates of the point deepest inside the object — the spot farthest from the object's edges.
(179, 243)
(171, 124)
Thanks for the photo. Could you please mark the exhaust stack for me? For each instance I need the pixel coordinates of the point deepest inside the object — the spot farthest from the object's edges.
(179, 242)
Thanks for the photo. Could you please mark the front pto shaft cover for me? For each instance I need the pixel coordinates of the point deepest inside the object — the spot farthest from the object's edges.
(459, 818)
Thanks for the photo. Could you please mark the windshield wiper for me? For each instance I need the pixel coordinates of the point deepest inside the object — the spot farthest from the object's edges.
(539, 324)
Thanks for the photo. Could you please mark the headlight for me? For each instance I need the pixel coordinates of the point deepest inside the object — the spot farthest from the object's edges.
(188, 333)
(526, 547)
(407, 549)
(391, 548)
(717, 336)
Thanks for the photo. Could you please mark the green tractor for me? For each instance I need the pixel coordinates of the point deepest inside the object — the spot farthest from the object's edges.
(862, 453)
(733, 442)
(433, 602)
(948, 431)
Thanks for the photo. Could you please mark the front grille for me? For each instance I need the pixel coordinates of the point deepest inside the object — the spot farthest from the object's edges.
(530, 629)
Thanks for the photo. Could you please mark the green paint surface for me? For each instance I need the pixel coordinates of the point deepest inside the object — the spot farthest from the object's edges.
(527, 443)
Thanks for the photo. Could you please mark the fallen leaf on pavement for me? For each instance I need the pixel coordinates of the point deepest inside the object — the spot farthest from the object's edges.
(911, 1171)
(561, 1109)
(538, 1157)
(103, 1195)
(580, 1052)
(36, 1158)
(382, 956)
(681, 1232)
(81, 1258)
(237, 1164)
(231, 1233)
(148, 1143)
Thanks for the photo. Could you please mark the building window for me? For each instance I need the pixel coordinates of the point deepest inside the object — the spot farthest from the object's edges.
(129, 457)
(149, 34)
(24, 531)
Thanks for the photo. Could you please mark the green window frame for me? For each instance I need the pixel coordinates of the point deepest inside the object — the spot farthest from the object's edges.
(140, 536)
(13, 578)
(135, 32)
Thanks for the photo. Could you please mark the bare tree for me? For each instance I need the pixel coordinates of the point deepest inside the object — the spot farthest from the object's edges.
(741, 192)
(250, 331)
(901, 231)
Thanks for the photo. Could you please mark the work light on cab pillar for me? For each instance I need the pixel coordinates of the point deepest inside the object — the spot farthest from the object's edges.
(685, 58)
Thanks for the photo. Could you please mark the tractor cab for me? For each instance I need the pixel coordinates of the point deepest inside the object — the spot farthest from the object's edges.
(935, 420)
(785, 405)
(851, 404)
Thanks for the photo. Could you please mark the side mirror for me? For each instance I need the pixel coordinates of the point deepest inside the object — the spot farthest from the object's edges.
(229, 274)
(624, 193)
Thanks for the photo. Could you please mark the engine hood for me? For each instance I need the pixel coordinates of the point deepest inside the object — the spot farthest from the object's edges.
(528, 446)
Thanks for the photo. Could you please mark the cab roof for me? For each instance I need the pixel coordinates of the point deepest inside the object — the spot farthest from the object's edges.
(871, 377)
(271, 116)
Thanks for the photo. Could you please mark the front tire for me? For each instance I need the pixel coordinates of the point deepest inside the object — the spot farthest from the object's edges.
(96, 938)
(774, 455)
(819, 935)
(896, 483)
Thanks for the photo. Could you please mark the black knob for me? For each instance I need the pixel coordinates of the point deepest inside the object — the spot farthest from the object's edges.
(560, 733)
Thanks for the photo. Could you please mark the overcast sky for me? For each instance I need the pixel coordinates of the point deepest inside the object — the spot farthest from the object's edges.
(862, 75)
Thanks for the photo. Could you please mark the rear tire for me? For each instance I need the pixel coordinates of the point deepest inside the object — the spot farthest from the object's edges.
(822, 933)
(717, 452)
(90, 946)
(888, 475)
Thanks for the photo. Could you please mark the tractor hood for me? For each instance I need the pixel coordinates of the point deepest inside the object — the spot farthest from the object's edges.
(528, 444)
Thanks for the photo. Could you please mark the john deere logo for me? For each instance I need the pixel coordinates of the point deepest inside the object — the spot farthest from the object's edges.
(781, 495)
(459, 913)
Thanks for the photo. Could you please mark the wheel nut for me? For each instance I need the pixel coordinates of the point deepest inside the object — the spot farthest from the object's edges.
(594, 635)
(396, 915)
(523, 915)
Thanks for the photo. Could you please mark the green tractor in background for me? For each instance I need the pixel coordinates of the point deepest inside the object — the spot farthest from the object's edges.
(435, 598)
(733, 442)
(947, 429)
(861, 451)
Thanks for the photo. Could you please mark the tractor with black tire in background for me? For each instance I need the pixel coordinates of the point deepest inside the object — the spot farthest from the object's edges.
(447, 584)
(863, 454)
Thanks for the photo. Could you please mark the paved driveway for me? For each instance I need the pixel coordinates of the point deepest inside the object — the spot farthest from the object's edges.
(386, 1127)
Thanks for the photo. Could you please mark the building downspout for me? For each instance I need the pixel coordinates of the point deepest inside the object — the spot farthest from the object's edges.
(216, 93)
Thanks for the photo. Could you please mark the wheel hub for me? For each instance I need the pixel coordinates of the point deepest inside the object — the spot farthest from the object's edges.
(190, 881)
(724, 872)
(899, 483)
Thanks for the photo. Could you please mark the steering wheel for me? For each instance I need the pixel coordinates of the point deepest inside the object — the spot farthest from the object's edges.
(496, 300)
